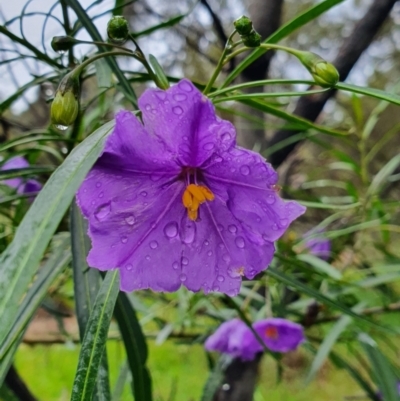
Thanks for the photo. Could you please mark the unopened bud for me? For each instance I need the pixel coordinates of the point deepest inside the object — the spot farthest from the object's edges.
(65, 106)
(117, 29)
(61, 44)
(253, 39)
(243, 25)
(324, 73)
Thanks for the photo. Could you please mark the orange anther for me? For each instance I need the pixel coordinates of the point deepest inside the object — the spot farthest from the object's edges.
(207, 193)
(193, 196)
(197, 192)
(187, 199)
(272, 332)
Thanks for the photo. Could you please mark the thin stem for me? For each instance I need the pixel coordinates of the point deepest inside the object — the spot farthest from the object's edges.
(68, 30)
(220, 64)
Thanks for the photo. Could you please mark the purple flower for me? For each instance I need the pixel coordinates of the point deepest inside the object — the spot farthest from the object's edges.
(318, 245)
(174, 201)
(236, 339)
(22, 186)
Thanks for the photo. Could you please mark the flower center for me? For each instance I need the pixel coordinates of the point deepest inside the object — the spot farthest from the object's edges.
(272, 333)
(193, 196)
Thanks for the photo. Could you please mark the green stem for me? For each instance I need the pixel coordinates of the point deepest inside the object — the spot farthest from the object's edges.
(68, 30)
(220, 64)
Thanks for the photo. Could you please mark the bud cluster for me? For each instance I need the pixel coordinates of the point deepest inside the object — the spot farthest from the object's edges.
(244, 27)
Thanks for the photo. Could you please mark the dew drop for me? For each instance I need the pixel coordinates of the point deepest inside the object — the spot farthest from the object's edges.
(180, 97)
(270, 199)
(98, 184)
(221, 279)
(284, 222)
(161, 95)
(218, 159)
(148, 257)
(209, 253)
(101, 194)
(220, 227)
(155, 177)
(171, 230)
(185, 138)
(143, 193)
(185, 261)
(239, 241)
(185, 86)
(102, 211)
(175, 265)
(130, 220)
(188, 231)
(258, 219)
(208, 146)
(216, 288)
(245, 170)
(177, 110)
(153, 244)
(275, 227)
(147, 107)
(226, 136)
(61, 127)
(129, 266)
(182, 277)
(232, 228)
(232, 293)
(233, 169)
(124, 240)
(206, 242)
(226, 258)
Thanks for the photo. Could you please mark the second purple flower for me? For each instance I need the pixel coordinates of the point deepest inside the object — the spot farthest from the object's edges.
(175, 202)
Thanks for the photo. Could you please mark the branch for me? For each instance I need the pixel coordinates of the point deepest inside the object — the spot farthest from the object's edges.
(350, 51)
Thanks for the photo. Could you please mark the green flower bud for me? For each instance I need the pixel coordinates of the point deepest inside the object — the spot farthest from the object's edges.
(243, 25)
(324, 73)
(61, 44)
(65, 106)
(117, 29)
(253, 39)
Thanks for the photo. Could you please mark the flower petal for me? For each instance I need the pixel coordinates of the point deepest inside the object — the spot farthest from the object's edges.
(185, 121)
(287, 335)
(15, 162)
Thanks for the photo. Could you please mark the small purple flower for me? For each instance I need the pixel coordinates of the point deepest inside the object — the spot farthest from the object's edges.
(175, 202)
(236, 339)
(22, 186)
(319, 245)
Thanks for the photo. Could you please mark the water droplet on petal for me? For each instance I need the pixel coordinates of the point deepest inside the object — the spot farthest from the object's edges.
(124, 240)
(148, 257)
(182, 277)
(245, 170)
(232, 228)
(102, 211)
(206, 242)
(177, 110)
(185, 261)
(226, 136)
(171, 230)
(239, 241)
(188, 231)
(208, 146)
(221, 279)
(275, 227)
(130, 220)
(215, 288)
(218, 159)
(185, 138)
(175, 265)
(161, 95)
(185, 86)
(147, 107)
(153, 244)
(143, 193)
(226, 258)
(220, 227)
(101, 194)
(61, 127)
(270, 199)
(129, 266)
(209, 253)
(284, 222)
(232, 292)
(98, 184)
(180, 97)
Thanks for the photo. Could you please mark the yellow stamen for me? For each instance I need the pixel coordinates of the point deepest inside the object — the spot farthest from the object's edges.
(193, 196)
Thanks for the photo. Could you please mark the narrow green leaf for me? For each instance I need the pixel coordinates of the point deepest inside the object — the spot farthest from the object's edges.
(320, 265)
(95, 339)
(171, 22)
(215, 378)
(283, 278)
(94, 33)
(136, 347)
(23, 172)
(282, 32)
(87, 283)
(383, 372)
(376, 93)
(381, 178)
(20, 260)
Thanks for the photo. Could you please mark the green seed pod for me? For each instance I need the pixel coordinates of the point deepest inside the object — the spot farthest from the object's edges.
(61, 44)
(253, 39)
(325, 74)
(65, 106)
(117, 29)
(243, 25)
